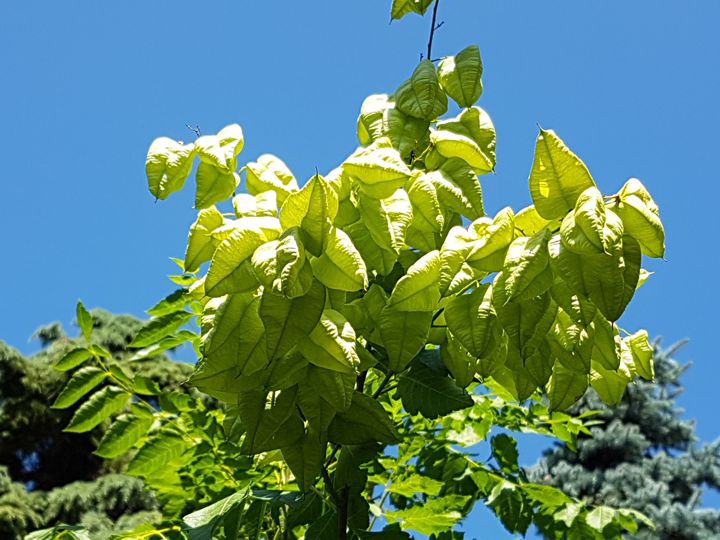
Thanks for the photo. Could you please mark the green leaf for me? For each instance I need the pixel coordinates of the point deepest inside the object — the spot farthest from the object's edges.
(165, 344)
(145, 386)
(451, 144)
(404, 334)
(269, 428)
(230, 270)
(98, 407)
(421, 95)
(419, 288)
(600, 517)
(173, 302)
(166, 446)
(370, 120)
(406, 133)
(432, 517)
(460, 76)
(376, 259)
(213, 185)
(72, 359)
(201, 524)
(378, 168)
(313, 210)
(526, 271)
(270, 173)
(340, 267)
(463, 176)
(364, 422)
(566, 386)
(123, 434)
(387, 219)
(429, 391)
(547, 496)
(84, 320)
(609, 281)
(642, 353)
(324, 527)
(331, 344)
(306, 458)
(159, 327)
(472, 320)
(81, 382)
(504, 450)
(400, 8)
(558, 176)
(414, 484)
(201, 244)
(281, 266)
(609, 385)
(167, 166)
(493, 238)
(526, 322)
(475, 124)
(592, 228)
(222, 149)
(288, 321)
(233, 343)
(641, 217)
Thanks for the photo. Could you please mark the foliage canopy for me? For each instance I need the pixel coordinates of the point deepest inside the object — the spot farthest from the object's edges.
(358, 329)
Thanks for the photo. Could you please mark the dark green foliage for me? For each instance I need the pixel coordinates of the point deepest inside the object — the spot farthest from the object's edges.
(643, 456)
(67, 482)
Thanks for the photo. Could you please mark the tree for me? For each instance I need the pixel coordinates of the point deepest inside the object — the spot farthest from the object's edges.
(643, 455)
(48, 475)
(359, 328)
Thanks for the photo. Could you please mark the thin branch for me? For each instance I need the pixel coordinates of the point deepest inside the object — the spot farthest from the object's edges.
(195, 129)
(434, 26)
(383, 384)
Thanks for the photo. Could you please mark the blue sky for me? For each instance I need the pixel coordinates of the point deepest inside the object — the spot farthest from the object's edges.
(632, 87)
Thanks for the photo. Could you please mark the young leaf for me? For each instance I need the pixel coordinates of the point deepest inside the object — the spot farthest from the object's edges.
(270, 173)
(558, 176)
(340, 267)
(433, 517)
(73, 359)
(641, 217)
(400, 8)
(97, 408)
(84, 320)
(419, 288)
(404, 334)
(566, 386)
(313, 210)
(155, 454)
(81, 382)
(306, 458)
(430, 392)
(421, 95)
(201, 524)
(460, 76)
(123, 434)
(213, 185)
(331, 344)
(201, 244)
(168, 165)
(159, 327)
(230, 270)
(288, 321)
(364, 422)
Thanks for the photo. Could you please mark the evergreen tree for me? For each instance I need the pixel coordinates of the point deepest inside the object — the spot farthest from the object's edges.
(643, 455)
(48, 476)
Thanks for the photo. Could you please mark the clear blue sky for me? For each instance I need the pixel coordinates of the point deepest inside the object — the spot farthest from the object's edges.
(632, 87)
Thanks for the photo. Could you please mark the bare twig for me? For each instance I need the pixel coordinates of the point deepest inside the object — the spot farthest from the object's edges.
(434, 26)
(195, 129)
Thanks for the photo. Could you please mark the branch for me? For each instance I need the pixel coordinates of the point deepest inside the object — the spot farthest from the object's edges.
(434, 26)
